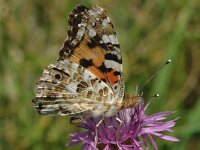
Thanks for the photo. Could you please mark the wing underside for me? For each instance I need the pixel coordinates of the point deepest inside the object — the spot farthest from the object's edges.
(87, 78)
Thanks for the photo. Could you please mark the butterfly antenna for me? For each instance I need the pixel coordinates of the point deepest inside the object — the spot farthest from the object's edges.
(151, 97)
(153, 75)
(156, 95)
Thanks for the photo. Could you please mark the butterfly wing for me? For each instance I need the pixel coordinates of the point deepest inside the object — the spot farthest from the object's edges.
(93, 44)
(87, 78)
(66, 88)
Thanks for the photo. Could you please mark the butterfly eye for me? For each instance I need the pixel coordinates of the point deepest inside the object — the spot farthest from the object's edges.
(58, 76)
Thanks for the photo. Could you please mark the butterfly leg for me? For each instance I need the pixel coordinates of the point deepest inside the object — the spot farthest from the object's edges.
(119, 120)
(120, 123)
(77, 120)
(96, 129)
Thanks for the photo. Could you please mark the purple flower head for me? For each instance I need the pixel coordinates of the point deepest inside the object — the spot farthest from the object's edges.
(133, 132)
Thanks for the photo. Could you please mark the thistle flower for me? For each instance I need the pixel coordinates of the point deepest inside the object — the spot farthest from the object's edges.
(134, 132)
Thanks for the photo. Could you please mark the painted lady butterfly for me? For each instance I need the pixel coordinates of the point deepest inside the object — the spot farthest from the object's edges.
(87, 78)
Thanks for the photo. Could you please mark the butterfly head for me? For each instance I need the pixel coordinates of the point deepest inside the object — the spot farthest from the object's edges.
(131, 101)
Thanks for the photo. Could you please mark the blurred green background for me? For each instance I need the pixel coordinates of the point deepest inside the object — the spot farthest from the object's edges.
(149, 31)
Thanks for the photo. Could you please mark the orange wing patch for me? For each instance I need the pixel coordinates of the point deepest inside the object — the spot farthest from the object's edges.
(93, 59)
(83, 51)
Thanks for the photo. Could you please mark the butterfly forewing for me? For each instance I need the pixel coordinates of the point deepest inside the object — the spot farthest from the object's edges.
(93, 44)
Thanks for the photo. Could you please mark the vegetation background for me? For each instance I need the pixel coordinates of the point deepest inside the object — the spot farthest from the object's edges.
(149, 31)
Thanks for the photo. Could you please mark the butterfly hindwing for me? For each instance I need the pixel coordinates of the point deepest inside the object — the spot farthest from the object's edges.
(67, 88)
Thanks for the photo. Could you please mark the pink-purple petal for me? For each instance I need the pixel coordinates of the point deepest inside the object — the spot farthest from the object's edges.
(166, 137)
(152, 142)
(134, 132)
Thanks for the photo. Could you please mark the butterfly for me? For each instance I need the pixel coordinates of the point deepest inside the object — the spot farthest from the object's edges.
(87, 78)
